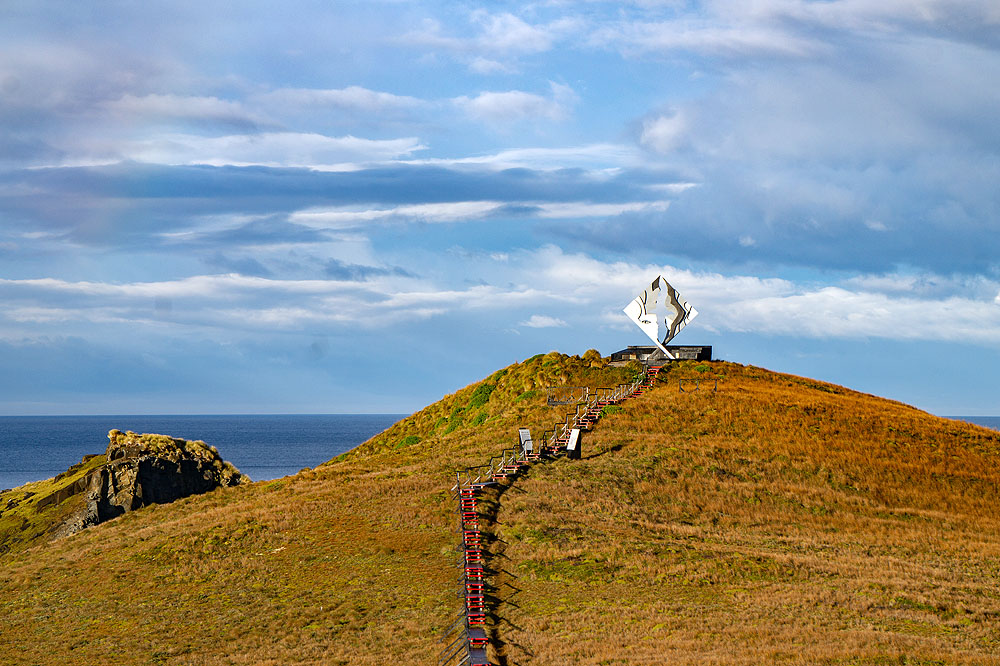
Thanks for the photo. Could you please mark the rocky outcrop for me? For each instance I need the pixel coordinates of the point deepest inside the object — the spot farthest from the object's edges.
(145, 469)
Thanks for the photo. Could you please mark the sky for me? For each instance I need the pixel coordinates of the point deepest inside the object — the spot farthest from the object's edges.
(317, 207)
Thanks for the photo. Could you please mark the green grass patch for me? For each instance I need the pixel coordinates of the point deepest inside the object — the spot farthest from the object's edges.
(481, 395)
(409, 440)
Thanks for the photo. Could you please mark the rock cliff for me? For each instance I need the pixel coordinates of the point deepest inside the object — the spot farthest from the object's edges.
(150, 469)
(136, 470)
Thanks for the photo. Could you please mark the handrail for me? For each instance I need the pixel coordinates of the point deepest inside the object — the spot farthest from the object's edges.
(470, 643)
(566, 395)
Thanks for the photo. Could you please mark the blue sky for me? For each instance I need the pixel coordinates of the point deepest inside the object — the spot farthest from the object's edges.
(361, 206)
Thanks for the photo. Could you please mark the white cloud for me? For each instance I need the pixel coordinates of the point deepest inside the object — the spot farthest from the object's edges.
(508, 33)
(671, 188)
(460, 211)
(228, 302)
(563, 285)
(501, 108)
(924, 285)
(664, 134)
(583, 209)
(182, 107)
(713, 37)
(288, 149)
(596, 157)
(497, 40)
(199, 286)
(431, 212)
(543, 321)
(774, 306)
(833, 312)
(796, 29)
(502, 33)
(885, 15)
(482, 65)
(353, 98)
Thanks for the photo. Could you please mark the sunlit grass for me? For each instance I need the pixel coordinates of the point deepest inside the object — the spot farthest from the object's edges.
(780, 520)
(350, 563)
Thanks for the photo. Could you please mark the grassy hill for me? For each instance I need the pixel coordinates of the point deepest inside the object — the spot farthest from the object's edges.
(779, 520)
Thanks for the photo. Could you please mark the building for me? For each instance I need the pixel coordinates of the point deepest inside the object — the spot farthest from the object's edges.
(653, 354)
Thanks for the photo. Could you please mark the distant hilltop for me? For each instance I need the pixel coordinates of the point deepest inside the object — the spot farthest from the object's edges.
(135, 471)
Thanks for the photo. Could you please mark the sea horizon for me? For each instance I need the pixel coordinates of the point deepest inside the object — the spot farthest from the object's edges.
(983, 420)
(262, 446)
(15, 416)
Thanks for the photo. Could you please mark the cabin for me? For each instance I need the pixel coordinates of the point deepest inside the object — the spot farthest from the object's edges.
(652, 354)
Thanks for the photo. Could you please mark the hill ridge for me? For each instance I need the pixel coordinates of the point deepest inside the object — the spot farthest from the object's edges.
(778, 520)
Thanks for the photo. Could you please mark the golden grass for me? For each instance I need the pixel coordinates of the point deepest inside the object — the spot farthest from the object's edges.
(780, 520)
(350, 563)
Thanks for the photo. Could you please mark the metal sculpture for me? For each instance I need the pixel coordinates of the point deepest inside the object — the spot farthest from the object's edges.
(643, 312)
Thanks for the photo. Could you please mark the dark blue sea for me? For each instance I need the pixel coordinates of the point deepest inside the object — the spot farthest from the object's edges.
(261, 446)
(988, 421)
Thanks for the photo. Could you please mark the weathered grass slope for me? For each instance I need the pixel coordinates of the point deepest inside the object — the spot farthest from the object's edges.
(351, 563)
(29, 513)
(780, 520)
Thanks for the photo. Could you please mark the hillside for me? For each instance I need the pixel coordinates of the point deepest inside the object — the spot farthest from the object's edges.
(134, 471)
(777, 520)
(780, 520)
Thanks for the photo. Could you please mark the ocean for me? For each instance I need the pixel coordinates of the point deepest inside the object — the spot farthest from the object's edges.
(987, 421)
(261, 446)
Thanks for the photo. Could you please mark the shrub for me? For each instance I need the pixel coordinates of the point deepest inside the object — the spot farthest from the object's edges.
(495, 377)
(610, 409)
(409, 440)
(481, 395)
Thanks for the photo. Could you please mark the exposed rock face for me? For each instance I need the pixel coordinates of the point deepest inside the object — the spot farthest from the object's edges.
(143, 470)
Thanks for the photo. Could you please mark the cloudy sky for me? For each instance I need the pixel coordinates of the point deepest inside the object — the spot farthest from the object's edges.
(217, 207)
